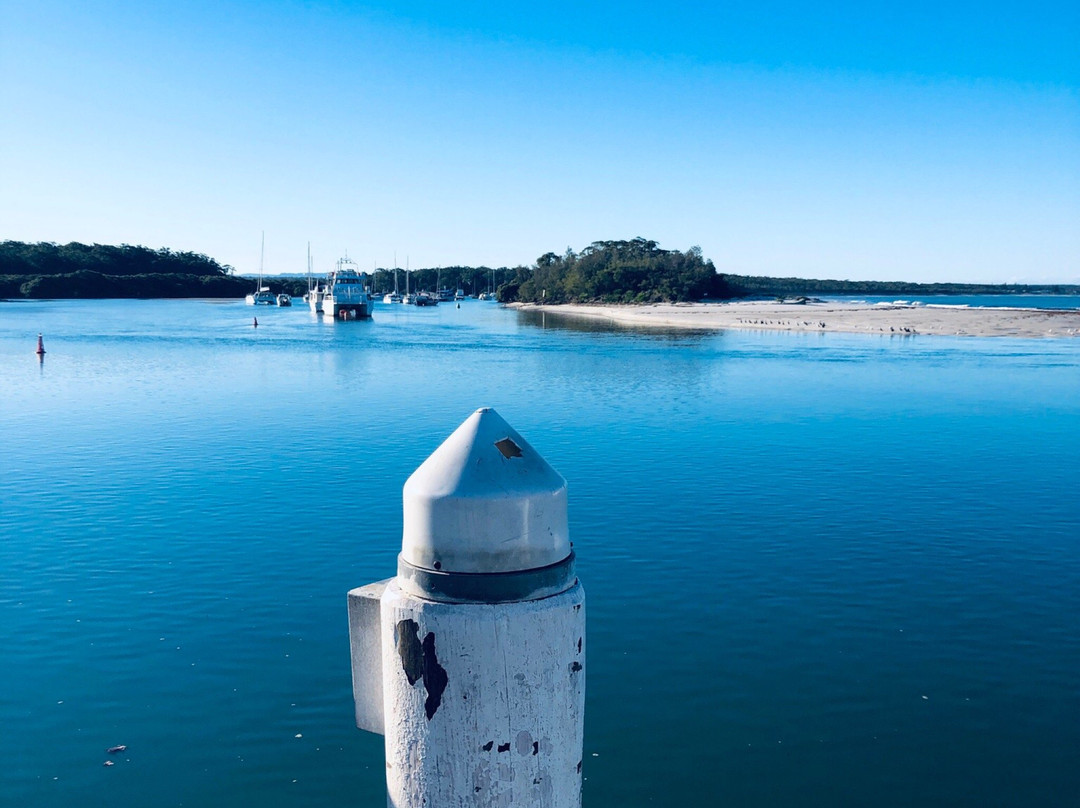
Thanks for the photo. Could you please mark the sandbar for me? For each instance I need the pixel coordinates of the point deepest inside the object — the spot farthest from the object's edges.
(892, 319)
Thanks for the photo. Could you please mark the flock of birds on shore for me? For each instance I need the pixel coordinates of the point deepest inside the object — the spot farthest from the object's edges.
(818, 324)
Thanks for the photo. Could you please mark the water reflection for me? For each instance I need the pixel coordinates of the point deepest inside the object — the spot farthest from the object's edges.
(568, 321)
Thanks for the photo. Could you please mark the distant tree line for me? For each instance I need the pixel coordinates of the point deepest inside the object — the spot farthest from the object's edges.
(638, 271)
(634, 271)
(46, 270)
(470, 280)
(755, 286)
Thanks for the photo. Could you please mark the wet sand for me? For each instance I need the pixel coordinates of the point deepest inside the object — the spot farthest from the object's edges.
(857, 318)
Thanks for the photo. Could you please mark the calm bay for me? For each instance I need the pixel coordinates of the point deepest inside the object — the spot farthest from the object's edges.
(822, 569)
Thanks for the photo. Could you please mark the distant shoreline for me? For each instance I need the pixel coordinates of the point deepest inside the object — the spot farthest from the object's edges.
(855, 318)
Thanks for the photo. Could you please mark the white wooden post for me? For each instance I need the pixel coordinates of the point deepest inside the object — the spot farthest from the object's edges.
(472, 660)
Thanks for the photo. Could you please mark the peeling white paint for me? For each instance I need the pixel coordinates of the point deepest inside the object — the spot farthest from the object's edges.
(472, 661)
(508, 727)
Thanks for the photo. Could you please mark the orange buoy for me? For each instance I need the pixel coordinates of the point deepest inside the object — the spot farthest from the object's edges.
(40, 346)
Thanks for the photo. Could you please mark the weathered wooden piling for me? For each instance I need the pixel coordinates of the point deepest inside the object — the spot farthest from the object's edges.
(471, 661)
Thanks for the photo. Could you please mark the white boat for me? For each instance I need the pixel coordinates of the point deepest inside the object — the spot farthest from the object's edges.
(312, 296)
(490, 293)
(284, 299)
(394, 296)
(459, 294)
(262, 296)
(343, 294)
(408, 298)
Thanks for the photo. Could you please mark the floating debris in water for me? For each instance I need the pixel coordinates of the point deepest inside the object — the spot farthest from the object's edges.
(108, 763)
(116, 750)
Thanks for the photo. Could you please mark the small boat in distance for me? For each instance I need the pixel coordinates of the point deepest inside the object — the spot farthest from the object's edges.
(262, 296)
(343, 295)
(490, 293)
(284, 299)
(441, 295)
(394, 296)
(409, 298)
(309, 295)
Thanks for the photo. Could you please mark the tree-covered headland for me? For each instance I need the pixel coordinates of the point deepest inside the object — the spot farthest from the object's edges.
(634, 271)
(74, 270)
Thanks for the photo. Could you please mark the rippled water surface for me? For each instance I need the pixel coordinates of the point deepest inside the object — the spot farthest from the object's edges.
(822, 569)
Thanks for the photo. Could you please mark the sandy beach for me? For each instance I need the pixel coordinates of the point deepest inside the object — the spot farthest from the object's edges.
(893, 319)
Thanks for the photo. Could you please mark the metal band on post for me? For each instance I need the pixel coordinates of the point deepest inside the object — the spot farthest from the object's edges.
(489, 587)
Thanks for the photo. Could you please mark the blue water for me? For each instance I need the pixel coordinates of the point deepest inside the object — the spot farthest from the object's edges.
(822, 569)
(972, 301)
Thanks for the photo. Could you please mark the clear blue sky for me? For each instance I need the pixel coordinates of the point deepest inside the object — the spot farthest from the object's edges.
(915, 141)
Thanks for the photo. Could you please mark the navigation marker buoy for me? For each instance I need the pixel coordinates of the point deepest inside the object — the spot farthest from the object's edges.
(256, 322)
(40, 346)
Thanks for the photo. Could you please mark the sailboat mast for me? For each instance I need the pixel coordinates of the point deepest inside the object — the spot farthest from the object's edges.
(309, 267)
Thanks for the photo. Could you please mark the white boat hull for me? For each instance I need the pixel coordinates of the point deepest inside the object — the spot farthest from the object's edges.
(346, 309)
(343, 295)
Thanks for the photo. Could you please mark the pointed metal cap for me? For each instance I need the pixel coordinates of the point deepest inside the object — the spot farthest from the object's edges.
(485, 502)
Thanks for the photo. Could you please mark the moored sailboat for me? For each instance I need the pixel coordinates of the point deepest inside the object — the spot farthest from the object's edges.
(262, 295)
(394, 296)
